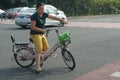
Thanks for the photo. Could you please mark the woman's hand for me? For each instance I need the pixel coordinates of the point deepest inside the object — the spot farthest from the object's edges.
(43, 30)
(65, 22)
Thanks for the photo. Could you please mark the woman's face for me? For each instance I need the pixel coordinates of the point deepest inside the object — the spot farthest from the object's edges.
(41, 9)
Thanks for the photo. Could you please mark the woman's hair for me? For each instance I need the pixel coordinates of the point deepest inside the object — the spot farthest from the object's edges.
(39, 4)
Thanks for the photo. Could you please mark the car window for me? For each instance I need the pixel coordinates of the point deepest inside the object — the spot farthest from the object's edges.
(22, 10)
(16, 10)
(31, 10)
(9, 10)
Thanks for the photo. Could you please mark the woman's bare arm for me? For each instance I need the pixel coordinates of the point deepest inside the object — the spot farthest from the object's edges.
(33, 27)
(56, 18)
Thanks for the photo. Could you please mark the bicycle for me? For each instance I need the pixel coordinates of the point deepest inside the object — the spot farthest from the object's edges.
(24, 52)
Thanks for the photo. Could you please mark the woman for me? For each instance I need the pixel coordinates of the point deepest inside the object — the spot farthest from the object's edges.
(38, 20)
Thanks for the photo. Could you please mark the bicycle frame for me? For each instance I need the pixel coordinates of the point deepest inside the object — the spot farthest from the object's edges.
(29, 56)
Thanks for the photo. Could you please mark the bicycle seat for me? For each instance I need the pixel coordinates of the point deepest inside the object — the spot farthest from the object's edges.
(21, 43)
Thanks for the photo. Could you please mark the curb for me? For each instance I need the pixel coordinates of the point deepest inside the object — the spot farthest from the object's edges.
(7, 21)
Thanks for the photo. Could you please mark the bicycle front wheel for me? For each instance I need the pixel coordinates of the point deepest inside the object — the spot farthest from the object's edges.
(68, 59)
(23, 57)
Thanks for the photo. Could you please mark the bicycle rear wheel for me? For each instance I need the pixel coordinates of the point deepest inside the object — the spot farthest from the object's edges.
(23, 57)
(68, 59)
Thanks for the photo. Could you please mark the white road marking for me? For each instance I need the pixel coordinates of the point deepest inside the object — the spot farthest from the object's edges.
(115, 74)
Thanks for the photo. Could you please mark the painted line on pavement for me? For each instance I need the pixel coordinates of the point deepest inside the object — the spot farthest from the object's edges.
(110, 71)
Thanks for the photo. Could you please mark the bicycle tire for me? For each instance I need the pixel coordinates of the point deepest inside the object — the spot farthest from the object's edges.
(67, 57)
(20, 57)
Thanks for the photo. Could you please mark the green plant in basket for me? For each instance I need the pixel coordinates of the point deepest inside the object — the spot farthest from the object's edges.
(64, 37)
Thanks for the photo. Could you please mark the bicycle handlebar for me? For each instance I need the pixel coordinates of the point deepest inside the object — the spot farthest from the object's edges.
(48, 30)
(61, 24)
(56, 30)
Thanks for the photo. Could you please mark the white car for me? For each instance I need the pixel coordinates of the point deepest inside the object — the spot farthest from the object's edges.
(1, 11)
(23, 19)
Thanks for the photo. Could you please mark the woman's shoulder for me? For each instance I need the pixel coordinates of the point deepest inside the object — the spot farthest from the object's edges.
(34, 14)
(45, 14)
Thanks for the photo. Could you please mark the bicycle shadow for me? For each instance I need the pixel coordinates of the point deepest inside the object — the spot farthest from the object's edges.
(29, 73)
(57, 71)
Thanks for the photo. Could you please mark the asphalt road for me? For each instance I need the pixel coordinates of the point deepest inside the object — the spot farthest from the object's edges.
(92, 48)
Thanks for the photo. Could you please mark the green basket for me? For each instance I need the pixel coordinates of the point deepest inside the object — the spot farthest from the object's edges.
(64, 37)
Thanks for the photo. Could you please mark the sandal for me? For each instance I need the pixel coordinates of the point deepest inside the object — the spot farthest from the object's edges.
(38, 70)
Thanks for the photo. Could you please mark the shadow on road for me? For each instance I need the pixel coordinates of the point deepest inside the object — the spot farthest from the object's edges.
(29, 73)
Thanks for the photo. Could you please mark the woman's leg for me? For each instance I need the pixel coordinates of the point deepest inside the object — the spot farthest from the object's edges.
(38, 61)
(45, 43)
(45, 46)
(37, 39)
